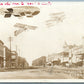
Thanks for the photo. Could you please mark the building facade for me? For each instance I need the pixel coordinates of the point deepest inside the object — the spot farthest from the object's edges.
(39, 61)
(10, 59)
(1, 54)
(72, 55)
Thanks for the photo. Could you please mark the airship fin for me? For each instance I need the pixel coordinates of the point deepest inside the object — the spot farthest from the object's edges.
(7, 15)
(10, 10)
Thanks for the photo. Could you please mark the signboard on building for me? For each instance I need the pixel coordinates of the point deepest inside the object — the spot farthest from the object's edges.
(13, 57)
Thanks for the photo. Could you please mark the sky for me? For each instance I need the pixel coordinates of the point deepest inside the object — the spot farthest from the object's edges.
(44, 41)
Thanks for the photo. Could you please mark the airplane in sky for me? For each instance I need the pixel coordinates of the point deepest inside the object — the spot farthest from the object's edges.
(23, 27)
(28, 11)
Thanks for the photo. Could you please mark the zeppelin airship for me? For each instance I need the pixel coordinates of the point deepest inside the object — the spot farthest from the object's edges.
(28, 11)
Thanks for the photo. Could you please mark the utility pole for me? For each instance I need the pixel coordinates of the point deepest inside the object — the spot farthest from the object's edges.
(4, 55)
(16, 57)
(10, 40)
(16, 48)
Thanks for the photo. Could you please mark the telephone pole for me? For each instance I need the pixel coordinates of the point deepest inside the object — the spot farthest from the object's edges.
(10, 40)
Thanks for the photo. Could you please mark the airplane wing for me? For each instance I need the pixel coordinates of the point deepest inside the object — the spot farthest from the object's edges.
(19, 25)
(10, 10)
(7, 15)
(17, 32)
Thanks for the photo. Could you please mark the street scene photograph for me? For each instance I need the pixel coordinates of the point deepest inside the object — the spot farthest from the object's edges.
(42, 40)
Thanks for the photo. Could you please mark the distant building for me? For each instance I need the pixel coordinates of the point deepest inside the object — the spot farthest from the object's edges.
(39, 61)
(22, 63)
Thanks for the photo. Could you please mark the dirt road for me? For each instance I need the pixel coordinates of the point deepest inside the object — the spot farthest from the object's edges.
(33, 74)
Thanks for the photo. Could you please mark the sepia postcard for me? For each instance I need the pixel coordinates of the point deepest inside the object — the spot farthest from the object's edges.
(41, 41)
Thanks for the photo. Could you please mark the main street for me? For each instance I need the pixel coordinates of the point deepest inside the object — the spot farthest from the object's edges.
(33, 74)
